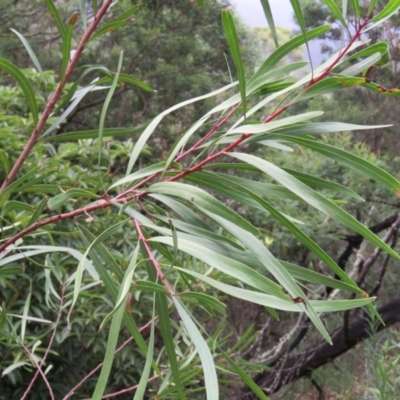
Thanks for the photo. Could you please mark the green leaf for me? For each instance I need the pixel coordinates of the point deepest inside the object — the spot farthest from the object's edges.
(151, 287)
(125, 78)
(140, 143)
(315, 199)
(204, 299)
(286, 48)
(359, 164)
(117, 22)
(363, 65)
(30, 51)
(109, 354)
(27, 304)
(201, 199)
(300, 20)
(371, 7)
(271, 301)
(24, 84)
(140, 391)
(10, 271)
(79, 271)
(93, 134)
(391, 7)
(314, 181)
(100, 255)
(269, 126)
(329, 85)
(56, 15)
(206, 358)
(66, 48)
(244, 376)
(381, 47)
(307, 241)
(229, 266)
(318, 128)
(59, 200)
(152, 169)
(38, 211)
(270, 20)
(230, 33)
(356, 6)
(106, 105)
(124, 288)
(337, 13)
(308, 275)
(12, 205)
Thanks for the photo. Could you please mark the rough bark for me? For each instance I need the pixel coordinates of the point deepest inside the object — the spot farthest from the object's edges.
(302, 364)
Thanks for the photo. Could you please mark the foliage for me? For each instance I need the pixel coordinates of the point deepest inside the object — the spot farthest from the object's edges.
(107, 241)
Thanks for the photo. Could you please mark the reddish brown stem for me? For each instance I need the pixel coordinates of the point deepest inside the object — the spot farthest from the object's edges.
(156, 264)
(325, 73)
(49, 345)
(55, 97)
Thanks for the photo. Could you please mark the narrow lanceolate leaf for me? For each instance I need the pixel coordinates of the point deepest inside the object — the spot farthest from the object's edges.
(391, 7)
(206, 358)
(117, 22)
(125, 286)
(66, 48)
(278, 304)
(307, 241)
(244, 376)
(286, 48)
(93, 134)
(363, 65)
(330, 85)
(25, 313)
(109, 354)
(140, 174)
(269, 126)
(141, 389)
(315, 182)
(227, 265)
(371, 7)
(59, 200)
(259, 251)
(230, 33)
(337, 13)
(57, 18)
(359, 164)
(270, 20)
(141, 142)
(30, 51)
(105, 107)
(125, 78)
(381, 48)
(315, 199)
(79, 271)
(356, 7)
(24, 84)
(300, 20)
(200, 198)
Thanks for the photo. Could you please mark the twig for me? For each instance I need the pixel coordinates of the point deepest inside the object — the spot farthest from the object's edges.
(38, 370)
(39, 366)
(156, 264)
